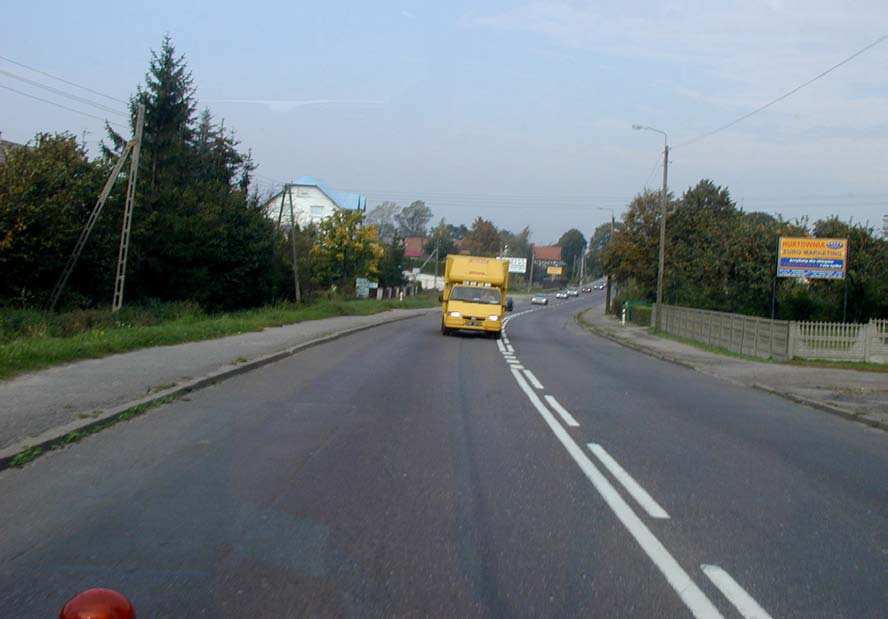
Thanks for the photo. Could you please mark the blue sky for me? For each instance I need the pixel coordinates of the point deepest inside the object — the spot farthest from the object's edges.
(517, 111)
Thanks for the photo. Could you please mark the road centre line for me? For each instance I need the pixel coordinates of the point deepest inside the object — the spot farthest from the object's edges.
(687, 590)
(628, 482)
(737, 595)
(533, 379)
(509, 348)
(562, 412)
(499, 344)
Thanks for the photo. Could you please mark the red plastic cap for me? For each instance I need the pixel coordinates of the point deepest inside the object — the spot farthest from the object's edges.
(98, 604)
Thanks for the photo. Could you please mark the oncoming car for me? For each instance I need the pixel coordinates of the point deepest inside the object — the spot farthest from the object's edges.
(573, 292)
(561, 294)
(539, 300)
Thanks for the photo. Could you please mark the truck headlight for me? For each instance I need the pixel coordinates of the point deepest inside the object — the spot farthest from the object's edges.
(494, 318)
(455, 315)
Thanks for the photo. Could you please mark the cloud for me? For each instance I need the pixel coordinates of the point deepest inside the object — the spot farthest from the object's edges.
(287, 105)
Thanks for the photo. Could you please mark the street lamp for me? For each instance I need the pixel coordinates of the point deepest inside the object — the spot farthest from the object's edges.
(607, 296)
(661, 264)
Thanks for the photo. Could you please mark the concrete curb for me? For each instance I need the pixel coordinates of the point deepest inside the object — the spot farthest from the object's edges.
(56, 436)
(822, 406)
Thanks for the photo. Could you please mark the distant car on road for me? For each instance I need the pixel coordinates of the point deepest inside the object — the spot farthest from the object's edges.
(539, 300)
(599, 287)
(573, 292)
(561, 294)
(587, 289)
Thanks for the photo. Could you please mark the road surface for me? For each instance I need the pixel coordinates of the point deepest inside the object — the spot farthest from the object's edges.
(400, 472)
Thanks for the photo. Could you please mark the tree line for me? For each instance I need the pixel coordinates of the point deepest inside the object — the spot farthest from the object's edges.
(198, 232)
(722, 258)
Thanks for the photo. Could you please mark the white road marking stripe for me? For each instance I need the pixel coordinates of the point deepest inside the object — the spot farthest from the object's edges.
(533, 379)
(686, 589)
(509, 348)
(499, 344)
(632, 487)
(516, 366)
(742, 601)
(565, 415)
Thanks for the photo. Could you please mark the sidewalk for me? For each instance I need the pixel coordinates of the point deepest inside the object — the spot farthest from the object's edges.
(66, 396)
(862, 396)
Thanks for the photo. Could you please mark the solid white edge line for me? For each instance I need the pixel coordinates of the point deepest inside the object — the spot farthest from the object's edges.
(563, 412)
(499, 344)
(638, 493)
(737, 595)
(533, 379)
(509, 348)
(687, 590)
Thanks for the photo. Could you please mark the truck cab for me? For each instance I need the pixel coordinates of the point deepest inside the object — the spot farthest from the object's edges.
(475, 295)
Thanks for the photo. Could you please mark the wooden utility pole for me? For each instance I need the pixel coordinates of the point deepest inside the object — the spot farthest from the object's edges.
(120, 278)
(297, 292)
(530, 281)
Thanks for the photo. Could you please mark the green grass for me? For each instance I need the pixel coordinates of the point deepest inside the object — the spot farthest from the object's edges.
(31, 340)
(841, 365)
(31, 454)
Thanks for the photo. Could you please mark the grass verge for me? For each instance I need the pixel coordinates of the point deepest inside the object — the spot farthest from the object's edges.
(706, 347)
(41, 340)
(33, 453)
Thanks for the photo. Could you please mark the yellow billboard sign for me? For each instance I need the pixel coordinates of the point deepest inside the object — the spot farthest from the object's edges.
(812, 258)
(554, 270)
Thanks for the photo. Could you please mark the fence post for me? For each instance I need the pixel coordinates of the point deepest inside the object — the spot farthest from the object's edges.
(869, 334)
(755, 339)
(790, 340)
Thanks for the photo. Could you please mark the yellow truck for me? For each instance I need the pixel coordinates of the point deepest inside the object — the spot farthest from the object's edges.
(475, 295)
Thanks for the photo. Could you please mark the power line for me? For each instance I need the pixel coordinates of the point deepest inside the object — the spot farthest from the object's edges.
(61, 79)
(784, 95)
(62, 93)
(64, 107)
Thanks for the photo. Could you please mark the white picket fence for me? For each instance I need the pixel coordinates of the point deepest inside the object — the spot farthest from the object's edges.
(779, 339)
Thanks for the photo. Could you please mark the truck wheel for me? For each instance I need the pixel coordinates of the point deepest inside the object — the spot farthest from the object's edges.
(444, 330)
(497, 335)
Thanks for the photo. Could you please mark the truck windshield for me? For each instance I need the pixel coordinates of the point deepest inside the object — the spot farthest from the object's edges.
(474, 294)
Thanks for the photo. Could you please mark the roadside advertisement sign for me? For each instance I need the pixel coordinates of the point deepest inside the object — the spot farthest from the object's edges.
(812, 258)
(516, 265)
(554, 270)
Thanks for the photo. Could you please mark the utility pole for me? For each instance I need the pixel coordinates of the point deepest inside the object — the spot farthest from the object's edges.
(120, 278)
(662, 260)
(530, 281)
(607, 295)
(437, 262)
(87, 229)
(297, 292)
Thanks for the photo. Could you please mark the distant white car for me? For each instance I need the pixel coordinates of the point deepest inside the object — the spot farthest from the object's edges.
(561, 294)
(539, 300)
(573, 292)
(599, 287)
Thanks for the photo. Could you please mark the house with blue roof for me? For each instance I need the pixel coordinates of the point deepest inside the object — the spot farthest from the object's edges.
(313, 201)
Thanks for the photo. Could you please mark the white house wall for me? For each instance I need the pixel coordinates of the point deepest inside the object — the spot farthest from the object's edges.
(310, 205)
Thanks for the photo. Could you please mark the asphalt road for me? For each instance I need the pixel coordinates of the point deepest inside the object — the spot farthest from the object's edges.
(400, 472)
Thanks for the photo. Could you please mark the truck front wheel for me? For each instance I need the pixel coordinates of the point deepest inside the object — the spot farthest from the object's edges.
(444, 330)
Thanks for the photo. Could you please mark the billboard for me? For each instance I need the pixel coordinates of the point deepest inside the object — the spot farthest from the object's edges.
(812, 258)
(516, 265)
(554, 270)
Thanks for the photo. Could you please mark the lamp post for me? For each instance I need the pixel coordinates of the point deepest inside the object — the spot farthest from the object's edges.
(662, 259)
(607, 296)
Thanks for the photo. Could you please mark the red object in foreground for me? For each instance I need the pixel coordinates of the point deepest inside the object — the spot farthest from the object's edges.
(98, 604)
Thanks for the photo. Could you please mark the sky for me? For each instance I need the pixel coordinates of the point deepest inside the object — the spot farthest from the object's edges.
(520, 112)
